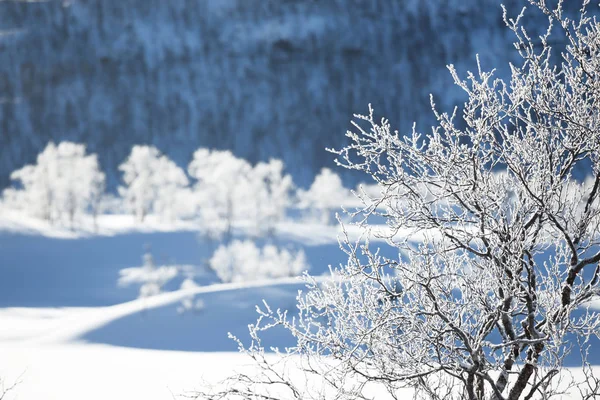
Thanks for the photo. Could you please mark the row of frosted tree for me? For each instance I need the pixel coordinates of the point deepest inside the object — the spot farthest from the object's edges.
(218, 189)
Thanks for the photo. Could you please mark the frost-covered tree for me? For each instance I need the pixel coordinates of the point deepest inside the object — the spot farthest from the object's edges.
(171, 190)
(152, 183)
(36, 192)
(499, 247)
(222, 190)
(242, 261)
(327, 193)
(80, 183)
(230, 191)
(269, 196)
(64, 183)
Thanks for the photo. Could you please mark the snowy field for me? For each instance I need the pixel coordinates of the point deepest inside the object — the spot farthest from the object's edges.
(68, 331)
(59, 352)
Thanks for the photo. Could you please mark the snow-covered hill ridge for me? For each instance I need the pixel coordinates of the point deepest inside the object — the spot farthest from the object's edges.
(69, 324)
(265, 79)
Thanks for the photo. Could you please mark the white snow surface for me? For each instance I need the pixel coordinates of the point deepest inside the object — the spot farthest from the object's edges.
(63, 325)
(118, 224)
(42, 352)
(67, 331)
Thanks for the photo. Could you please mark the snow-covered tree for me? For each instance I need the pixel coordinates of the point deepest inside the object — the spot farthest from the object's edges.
(499, 247)
(269, 196)
(152, 183)
(222, 190)
(230, 191)
(241, 261)
(64, 183)
(326, 194)
(171, 190)
(36, 194)
(80, 183)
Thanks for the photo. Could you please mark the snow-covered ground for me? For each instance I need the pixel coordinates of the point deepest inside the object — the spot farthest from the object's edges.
(59, 352)
(77, 370)
(67, 331)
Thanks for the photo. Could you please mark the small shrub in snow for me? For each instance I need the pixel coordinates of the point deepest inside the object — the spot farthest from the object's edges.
(190, 303)
(152, 183)
(63, 184)
(150, 278)
(327, 193)
(243, 261)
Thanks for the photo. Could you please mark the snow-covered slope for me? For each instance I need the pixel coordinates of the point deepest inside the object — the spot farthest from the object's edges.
(67, 331)
(70, 331)
(106, 344)
(221, 310)
(265, 79)
(73, 352)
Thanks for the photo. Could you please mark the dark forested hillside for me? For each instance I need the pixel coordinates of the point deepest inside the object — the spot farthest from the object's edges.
(264, 78)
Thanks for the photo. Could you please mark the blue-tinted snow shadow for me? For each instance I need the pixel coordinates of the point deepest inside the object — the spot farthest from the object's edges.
(164, 328)
(206, 329)
(38, 271)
